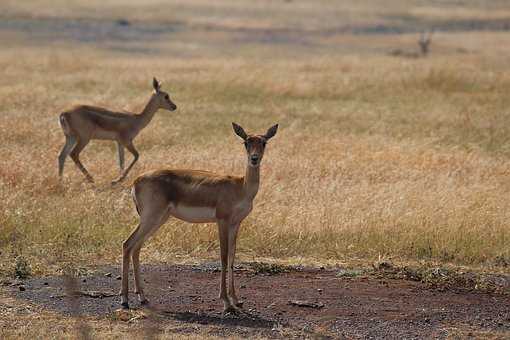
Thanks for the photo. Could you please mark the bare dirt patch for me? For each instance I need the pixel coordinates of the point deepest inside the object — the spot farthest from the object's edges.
(334, 305)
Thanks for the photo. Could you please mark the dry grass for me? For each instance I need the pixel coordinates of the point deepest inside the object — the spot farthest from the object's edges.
(403, 158)
(376, 154)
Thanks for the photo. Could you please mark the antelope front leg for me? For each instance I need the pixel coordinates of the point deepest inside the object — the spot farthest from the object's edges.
(223, 229)
(135, 154)
(232, 241)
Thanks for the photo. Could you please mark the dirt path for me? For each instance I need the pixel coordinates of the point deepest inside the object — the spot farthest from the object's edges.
(366, 307)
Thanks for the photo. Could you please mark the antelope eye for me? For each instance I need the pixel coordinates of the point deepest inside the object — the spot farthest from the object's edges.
(166, 97)
(264, 144)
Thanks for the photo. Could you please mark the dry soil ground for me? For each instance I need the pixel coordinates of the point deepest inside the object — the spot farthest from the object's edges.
(362, 306)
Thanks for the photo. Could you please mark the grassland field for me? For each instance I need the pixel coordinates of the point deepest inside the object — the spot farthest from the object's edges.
(377, 156)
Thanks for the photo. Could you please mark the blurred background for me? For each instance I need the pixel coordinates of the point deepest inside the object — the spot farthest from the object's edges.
(266, 28)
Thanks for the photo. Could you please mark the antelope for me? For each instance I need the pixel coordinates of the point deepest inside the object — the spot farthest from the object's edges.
(84, 123)
(424, 42)
(198, 197)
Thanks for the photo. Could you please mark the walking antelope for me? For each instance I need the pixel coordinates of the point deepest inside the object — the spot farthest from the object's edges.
(84, 123)
(198, 197)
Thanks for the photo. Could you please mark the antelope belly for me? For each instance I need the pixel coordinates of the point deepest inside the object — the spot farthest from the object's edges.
(194, 214)
(105, 134)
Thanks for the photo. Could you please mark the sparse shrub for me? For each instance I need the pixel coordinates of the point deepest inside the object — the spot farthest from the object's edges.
(383, 263)
(268, 268)
(349, 273)
(502, 261)
(22, 268)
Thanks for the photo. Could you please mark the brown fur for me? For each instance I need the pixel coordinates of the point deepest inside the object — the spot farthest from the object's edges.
(190, 187)
(102, 118)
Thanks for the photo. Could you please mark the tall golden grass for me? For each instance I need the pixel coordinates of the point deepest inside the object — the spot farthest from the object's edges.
(375, 156)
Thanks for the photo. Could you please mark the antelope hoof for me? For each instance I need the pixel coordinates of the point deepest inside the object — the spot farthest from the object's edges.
(236, 302)
(119, 179)
(125, 305)
(230, 310)
(144, 302)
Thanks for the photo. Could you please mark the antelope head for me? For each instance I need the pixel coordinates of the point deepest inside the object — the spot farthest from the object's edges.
(255, 144)
(162, 99)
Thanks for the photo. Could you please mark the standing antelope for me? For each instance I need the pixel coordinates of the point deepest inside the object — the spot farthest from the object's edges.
(198, 197)
(83, 123)
(424, 42)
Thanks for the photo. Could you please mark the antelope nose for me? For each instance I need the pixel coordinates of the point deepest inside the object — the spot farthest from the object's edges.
(254, 159)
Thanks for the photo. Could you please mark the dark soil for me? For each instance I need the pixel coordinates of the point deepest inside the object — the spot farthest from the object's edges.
(351, 307)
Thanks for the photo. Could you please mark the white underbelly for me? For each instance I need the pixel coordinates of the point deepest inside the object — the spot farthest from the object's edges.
(194, 214)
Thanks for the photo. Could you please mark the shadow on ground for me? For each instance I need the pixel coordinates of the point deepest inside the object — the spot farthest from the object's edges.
(359, 306)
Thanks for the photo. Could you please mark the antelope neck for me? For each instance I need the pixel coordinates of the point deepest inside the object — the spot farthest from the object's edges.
(251, 181)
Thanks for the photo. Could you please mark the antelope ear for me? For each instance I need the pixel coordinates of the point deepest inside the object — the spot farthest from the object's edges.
(239, 131)
(156, 84)
(271, 132)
